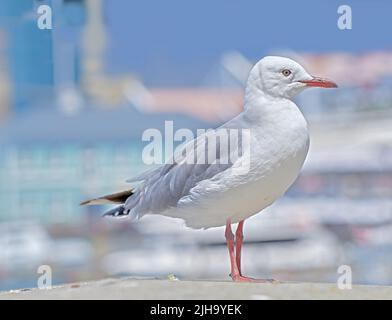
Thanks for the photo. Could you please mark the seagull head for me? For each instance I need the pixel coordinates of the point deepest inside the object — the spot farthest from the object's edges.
(280, 77)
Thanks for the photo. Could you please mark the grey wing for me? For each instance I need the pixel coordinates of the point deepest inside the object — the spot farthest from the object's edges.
(163, 187)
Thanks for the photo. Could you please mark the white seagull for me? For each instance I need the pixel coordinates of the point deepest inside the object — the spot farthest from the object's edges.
(225, 191)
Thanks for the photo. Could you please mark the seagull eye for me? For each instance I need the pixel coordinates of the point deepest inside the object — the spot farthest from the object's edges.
(286, 72)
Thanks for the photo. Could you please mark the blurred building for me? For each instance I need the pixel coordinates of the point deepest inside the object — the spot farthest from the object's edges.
(29, 54)
(47, 77)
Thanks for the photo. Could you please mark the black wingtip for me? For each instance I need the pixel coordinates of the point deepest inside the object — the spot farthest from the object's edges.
(116, 212)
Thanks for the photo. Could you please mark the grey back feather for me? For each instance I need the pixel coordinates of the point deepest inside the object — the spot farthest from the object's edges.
(163, 187)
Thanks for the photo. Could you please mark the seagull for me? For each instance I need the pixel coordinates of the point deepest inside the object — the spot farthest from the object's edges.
(271, 144)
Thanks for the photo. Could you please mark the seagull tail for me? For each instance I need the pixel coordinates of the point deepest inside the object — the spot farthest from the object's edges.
(115, 198)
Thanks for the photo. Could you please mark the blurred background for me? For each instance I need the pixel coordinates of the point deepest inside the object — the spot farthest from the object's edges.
(75, 100)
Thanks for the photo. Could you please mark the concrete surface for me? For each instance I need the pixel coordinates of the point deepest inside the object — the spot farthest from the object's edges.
(131, 288)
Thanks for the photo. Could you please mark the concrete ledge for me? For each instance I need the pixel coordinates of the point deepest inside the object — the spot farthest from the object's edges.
(131, 288)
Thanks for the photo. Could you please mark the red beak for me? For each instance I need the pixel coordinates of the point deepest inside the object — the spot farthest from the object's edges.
(319, 82)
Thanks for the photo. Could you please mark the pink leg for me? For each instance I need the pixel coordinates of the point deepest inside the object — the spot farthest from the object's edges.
(239, 237)
(230, 245)
(235, 257)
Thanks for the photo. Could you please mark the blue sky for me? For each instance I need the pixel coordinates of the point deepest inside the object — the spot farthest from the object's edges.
(176, 37)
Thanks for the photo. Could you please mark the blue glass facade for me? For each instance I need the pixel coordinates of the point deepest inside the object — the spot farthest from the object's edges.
(30, 53)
